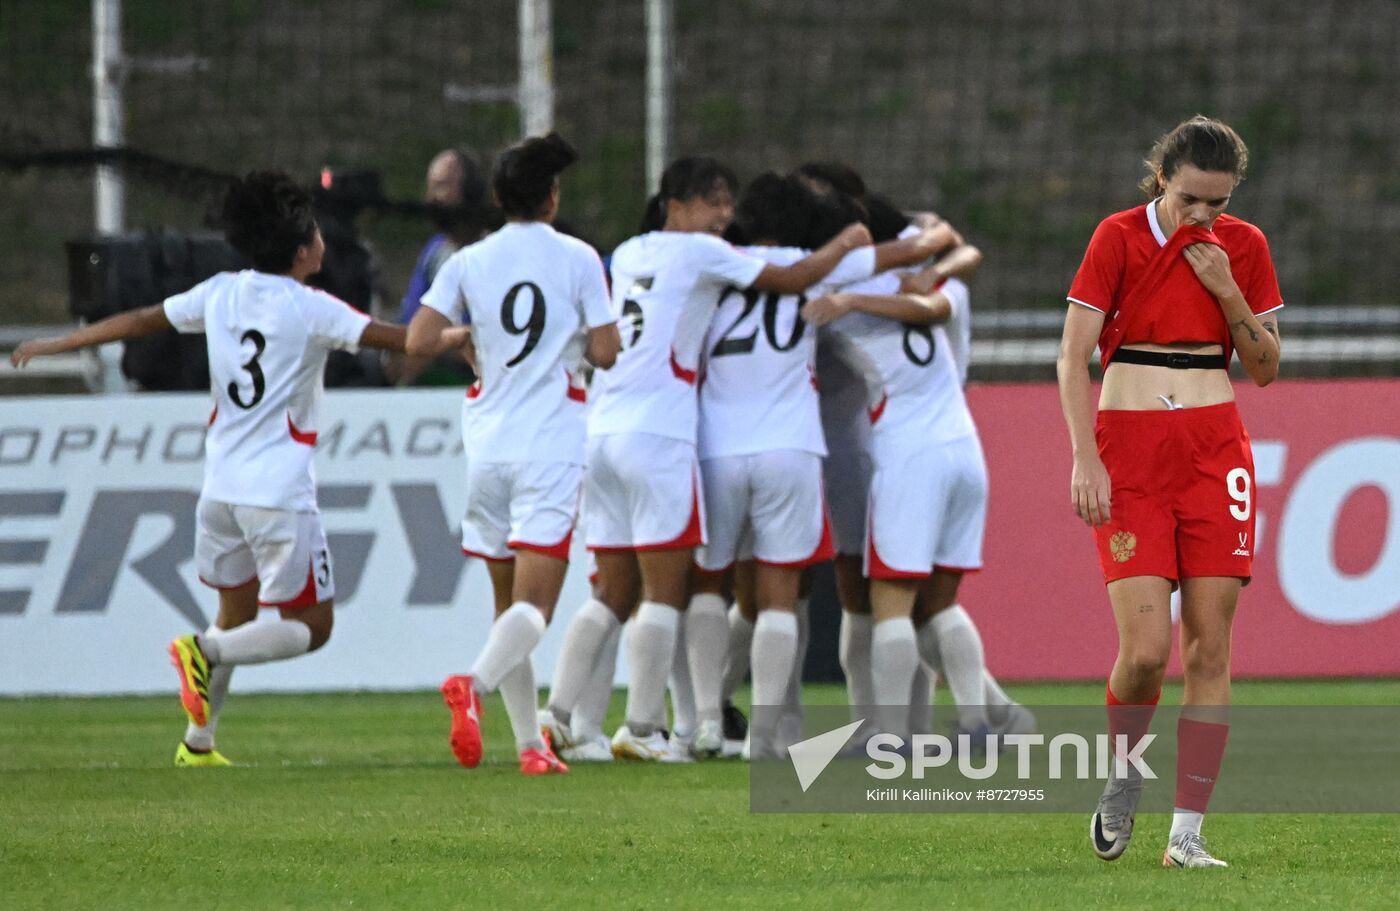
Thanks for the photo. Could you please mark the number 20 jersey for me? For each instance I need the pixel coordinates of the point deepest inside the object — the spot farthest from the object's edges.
(759, 392)
(529, 293)
(268, 337)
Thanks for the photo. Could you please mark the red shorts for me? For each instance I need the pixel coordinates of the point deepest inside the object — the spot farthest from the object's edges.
(1183, 493)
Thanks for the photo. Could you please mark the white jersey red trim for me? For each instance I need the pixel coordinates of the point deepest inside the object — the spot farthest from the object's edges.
(268, 337)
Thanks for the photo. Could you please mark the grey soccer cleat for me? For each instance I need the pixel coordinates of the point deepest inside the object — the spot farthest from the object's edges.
(1111, 827)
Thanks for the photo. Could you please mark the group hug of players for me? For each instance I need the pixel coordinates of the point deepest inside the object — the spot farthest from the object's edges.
(698, 461)
(759, 382)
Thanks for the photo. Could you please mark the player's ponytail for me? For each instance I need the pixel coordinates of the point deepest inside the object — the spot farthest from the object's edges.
(267, 216)
(526, 174)
(1205, 142)
(654, 215)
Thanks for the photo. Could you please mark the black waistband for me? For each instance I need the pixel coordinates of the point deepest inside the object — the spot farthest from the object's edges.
(1175, 360)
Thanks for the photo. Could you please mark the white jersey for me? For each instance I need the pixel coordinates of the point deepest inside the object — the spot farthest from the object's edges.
(958, 328)
(758, 391)
(666, 286)
(268, 337)
(530, 293)
(911, 379)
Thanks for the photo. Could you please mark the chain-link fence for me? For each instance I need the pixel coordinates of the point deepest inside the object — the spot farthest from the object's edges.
(1022, 121)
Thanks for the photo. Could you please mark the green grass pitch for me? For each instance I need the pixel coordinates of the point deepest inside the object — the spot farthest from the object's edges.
(355, 800)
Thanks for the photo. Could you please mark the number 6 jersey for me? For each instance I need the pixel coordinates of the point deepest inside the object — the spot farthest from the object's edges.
(529, 293)
(268, 337)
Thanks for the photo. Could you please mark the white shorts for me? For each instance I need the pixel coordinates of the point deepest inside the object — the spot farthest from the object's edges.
(642, 492)
(284, 551)
(928, 508)
(765, 505)
(847, 475)
(520, 506)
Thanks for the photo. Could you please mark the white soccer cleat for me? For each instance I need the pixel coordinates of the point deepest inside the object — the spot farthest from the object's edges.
(595, 749)
(652, 748)
(556, 733)
(1019, 720)
(678, 749)
(708, 741)
(1187, 850)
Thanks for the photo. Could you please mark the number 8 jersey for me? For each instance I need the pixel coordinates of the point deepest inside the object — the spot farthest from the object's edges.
(268, 337)
(529, 293)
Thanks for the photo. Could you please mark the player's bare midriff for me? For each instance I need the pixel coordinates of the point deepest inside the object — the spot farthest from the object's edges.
(1141, 387)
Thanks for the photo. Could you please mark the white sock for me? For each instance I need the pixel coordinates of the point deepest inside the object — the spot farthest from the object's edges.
(651, 646)
(256, 643)
(921, 701)
(706, 647)
(894, 657)
(790, 724)
(736, 661)
(997, 700)
(582, 643)
(683, 716)
(964, 667)
(927, 640)
(521, 696)
(773, 652)
(1185, 821)
(591, 710)
(792, 701)
(201, 737)
(513, 637)
(854, 651)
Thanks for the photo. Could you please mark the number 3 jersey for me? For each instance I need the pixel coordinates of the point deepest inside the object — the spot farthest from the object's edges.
(912, 380)
(758, 391)
(529, 293)
(268, 337)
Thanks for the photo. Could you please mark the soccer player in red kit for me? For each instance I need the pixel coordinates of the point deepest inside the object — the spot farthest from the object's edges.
(1164, 473)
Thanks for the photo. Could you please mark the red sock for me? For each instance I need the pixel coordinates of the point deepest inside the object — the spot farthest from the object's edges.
(1200, 746)
(1129, 719)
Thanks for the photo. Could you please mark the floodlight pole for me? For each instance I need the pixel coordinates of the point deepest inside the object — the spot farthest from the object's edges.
(660, 55)
(109, 191)
(536, 67)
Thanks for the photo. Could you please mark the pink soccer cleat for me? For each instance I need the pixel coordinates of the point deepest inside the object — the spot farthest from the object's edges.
(541, 762)
(460, 696)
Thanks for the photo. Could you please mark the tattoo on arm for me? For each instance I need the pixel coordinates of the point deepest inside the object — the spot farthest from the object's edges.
(1244, 324)
(1269, 327)
(1144, 608)
(1263, 358)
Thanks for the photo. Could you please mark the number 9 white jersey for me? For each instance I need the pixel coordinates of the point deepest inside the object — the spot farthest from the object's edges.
(529, 293)
(268, 336)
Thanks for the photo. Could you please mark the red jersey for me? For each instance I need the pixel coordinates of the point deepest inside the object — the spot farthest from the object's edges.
(1139, 278)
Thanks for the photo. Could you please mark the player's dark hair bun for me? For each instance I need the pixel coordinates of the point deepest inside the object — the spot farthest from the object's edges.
(776, 209)
(687, 178)
(267, 216)
(525, 174)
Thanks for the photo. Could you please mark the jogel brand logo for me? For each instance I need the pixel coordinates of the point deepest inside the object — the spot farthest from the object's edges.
(1243, 549)
(1123, 545)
